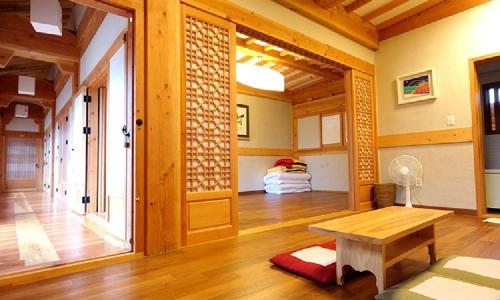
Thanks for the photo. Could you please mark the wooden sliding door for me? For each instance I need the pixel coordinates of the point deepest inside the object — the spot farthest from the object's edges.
(361, 111)
(209, 179)
(23, 163)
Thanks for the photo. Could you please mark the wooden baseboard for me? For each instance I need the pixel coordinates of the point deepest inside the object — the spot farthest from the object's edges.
(251, 192)
(458, 211)
(331, 191)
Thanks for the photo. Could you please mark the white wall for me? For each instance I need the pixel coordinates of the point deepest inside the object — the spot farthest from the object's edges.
(270, 127)
(330, 172)
(107, 33)
(22, 124)
(270, 123)
(445, 45)
(448, 179)
(286, 17)
(251, 171)
(65, 94)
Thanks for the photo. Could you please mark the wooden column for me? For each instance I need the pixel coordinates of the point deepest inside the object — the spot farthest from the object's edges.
(362, 131)
(209, 184)
(163, 159)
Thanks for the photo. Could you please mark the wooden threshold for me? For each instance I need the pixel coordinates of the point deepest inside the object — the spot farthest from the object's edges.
(334, 215)
(25, 277)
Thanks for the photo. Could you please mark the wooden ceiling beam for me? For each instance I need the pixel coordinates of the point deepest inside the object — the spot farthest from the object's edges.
(327, 4)
(413, 11)
(106, 6)
(280, 96)
(434, 13)
(382, 10)
(90, 23)
(17, 34)
(336, 20)
(356, 4)
(317, 90)
(255, 50)
(44, 90)
(5, 57)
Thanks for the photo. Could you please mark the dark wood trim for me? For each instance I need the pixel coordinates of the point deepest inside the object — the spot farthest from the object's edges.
(252, 192)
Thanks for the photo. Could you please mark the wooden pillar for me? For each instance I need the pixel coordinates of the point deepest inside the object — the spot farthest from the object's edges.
(163, 138)
(362, 133)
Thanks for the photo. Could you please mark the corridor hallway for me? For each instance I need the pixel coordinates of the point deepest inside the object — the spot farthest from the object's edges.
(37, 231)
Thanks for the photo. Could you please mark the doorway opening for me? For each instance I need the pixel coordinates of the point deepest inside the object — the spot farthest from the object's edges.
(67, 185)
(292, 142)
(486, 128)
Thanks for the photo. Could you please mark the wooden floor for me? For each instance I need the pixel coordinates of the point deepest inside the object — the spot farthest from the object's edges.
(37, 231)
(262, 209)
(239, 269)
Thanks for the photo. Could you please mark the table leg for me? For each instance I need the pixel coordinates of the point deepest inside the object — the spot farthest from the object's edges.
(432, 253)
(361, 256)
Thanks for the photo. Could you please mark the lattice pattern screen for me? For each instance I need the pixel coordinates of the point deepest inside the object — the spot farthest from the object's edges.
(208, 134)
(364, 121)
(21, 158)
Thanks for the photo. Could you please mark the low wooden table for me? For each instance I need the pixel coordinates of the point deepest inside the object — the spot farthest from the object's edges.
(375, 240)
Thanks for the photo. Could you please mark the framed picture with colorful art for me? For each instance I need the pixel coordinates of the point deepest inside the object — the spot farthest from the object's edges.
(417, 87)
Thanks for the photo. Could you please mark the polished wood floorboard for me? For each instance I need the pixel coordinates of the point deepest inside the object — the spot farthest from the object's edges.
(262, 209)
(71, 240)
(239, 269)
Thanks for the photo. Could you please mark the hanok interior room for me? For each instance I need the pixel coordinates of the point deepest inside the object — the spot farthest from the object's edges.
(232, 149)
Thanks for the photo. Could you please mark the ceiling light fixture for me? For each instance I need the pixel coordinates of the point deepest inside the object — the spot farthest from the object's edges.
(26, 85)
(46, 16)
(261, 78)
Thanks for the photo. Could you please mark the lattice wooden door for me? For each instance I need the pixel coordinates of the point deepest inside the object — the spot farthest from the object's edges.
(360, 98)
(209, 180)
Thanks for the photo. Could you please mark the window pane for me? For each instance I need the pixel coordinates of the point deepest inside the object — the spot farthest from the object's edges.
(491, 96)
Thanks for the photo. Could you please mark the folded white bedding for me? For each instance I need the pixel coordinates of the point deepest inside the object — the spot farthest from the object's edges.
(286, 191)
(289, 186)
(287, 176)
(281, 181)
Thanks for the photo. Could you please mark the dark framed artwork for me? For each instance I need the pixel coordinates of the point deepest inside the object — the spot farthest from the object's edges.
(243, 121)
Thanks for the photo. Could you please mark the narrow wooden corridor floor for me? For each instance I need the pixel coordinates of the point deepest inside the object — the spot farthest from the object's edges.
(38, 231)
(239, 269)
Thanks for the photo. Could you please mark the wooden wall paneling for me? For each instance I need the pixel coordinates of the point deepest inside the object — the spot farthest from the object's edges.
(245, 18)
(208, 127)
(361, 114)
(264, 152)
(163, 181)
(447, 136)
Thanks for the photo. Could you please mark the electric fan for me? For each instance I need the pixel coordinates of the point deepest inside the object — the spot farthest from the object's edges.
(406, 170)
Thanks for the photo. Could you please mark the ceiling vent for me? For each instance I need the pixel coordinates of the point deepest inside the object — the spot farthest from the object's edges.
(46, 16)
(21, 111)
(26, 85)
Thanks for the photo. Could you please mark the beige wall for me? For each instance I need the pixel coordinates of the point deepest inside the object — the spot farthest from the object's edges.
(446, 46)
(286, 17)
(270, 123)
(329, 172)
(270, 127)
(448, 174)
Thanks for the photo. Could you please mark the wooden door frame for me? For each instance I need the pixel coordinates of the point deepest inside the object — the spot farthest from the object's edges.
(263, 27)
(477, 128)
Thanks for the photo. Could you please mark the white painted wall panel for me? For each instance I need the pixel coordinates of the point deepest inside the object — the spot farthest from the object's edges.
(65, 94)
(22, 124)
(330, 172)
(448, 179)
(107, 33)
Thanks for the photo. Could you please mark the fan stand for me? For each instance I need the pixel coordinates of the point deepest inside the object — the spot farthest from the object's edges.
(408, 196)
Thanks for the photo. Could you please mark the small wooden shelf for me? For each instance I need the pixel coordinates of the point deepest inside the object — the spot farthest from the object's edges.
(404, 247)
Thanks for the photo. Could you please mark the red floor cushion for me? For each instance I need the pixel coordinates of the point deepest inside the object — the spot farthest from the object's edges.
(314, 271)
